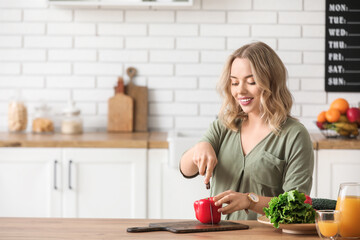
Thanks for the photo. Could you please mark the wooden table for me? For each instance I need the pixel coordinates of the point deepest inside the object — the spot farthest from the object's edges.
(115, 229)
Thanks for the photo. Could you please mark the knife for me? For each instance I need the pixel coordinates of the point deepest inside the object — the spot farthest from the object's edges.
(211, 213)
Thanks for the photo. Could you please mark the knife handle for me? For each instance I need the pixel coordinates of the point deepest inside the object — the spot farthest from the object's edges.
(145, 229)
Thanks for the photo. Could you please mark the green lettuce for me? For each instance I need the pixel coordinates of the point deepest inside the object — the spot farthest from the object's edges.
(289, 207)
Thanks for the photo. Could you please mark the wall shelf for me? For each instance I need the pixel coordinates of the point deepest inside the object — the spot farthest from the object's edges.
(134, 3)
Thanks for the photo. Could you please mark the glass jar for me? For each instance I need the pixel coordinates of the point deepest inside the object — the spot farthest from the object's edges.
(42, 122)
(17, 116)
(71, 122)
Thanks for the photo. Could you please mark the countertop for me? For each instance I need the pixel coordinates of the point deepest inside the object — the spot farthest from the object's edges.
(86, 140)
(132, 140)
(334, 143)
(115, 229)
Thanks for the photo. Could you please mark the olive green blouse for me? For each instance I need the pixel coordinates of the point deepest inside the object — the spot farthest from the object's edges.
(277, 164)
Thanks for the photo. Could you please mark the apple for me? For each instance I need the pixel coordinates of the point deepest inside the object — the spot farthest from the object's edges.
(353, 114)
(320, 125)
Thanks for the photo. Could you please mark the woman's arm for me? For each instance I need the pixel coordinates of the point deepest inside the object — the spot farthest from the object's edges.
(200, 158)
(239, 201)
(187, 166)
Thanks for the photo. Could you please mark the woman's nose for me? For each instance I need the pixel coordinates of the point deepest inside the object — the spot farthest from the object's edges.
(241, 87)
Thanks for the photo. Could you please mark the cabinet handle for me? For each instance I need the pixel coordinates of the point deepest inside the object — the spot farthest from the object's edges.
(55, 175)
(70, 163)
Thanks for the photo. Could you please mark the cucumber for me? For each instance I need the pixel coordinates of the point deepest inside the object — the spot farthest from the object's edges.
(323, 204)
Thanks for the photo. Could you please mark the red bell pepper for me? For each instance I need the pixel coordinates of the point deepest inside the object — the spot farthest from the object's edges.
(202, 210)
(308, 200)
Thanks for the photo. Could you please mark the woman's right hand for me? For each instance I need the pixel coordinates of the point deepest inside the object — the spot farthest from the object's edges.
(204, 158)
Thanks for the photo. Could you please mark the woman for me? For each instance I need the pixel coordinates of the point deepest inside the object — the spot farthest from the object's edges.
(255, 146)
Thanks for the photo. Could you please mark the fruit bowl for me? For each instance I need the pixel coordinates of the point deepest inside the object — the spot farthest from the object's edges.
(336, 130)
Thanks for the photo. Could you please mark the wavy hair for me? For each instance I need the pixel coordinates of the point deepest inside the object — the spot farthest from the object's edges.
(270, 76)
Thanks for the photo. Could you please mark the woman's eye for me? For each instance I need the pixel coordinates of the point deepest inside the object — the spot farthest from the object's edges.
(234, 84)
(252, 83)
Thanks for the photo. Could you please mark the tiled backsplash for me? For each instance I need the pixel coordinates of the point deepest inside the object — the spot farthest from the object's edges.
(52, 53)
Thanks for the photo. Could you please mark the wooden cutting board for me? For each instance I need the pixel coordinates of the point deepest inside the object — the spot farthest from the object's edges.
(140, 96)
(120, 111)
(189, 227)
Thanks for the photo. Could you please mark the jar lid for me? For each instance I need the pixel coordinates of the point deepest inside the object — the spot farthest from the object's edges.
(71, 109)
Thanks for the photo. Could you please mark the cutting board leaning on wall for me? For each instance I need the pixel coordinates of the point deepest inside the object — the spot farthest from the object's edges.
(140, 96)
(120, 110)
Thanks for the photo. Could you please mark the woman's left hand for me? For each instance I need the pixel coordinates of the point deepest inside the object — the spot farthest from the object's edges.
(235, 201)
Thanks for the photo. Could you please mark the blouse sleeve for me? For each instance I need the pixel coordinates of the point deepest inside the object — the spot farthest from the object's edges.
(300, 162)
(214, 135)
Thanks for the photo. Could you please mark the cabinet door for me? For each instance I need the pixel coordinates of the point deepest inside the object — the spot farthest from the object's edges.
(171, 196)
(313, 192)
(335, 167)
(104, 183)
(30, 182)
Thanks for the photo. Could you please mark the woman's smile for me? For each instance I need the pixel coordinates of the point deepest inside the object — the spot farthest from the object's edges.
(244, 101)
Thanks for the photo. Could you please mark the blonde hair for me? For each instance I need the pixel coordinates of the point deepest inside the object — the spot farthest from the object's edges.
(270, 76)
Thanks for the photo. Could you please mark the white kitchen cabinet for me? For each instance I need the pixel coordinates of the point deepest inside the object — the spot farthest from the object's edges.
(313, 192)
(170, 195)
(335, 167)
(105, 183)
(69, 182)
(29, 182)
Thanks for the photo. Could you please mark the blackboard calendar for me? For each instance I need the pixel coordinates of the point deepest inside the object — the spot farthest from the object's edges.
(342, 51)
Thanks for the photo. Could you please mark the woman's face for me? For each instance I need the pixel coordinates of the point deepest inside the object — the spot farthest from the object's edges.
(243, 86)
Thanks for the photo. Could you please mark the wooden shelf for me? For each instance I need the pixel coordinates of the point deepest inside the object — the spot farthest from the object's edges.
(124, 3)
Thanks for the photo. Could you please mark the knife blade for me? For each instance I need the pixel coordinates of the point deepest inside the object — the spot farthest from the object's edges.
(211, 213)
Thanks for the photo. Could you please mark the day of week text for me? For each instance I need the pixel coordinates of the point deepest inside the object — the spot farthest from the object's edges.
(337, 20)
(336, 69)
(337, 44)
(335, 57)
(337, 32)
(336, 81)
(338, 8)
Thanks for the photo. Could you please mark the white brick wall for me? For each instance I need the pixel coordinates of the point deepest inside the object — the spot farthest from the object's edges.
(52, 53)
(99, 42)
(10, 41)
(173, 30)
(142, 16)
(47, 42)
(10, 15)
(98, 15)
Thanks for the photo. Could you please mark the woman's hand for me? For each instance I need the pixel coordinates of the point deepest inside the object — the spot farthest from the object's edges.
(235, 201)
(204, 158)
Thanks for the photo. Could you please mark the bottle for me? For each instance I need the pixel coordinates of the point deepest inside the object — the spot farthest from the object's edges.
(17, 115)
(71, 122)
(42, 122)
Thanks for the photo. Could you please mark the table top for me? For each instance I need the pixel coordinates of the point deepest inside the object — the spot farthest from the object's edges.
(111, 229)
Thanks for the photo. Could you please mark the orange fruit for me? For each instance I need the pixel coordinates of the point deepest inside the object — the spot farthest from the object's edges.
(321, 117)
(332, 115)
(340, 104)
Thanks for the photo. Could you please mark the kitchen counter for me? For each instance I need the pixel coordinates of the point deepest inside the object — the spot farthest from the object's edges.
(334, 143)
(86, 140)
(132, 140)
(115, 229)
